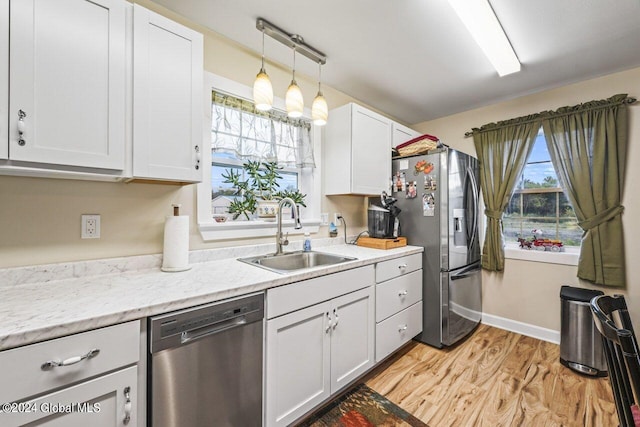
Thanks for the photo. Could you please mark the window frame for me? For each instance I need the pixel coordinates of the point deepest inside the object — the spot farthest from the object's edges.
(309, 180)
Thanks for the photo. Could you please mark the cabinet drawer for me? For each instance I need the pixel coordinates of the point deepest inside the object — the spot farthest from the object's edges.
(119, 346)
(397, 294)
(295, 296)
(397, 267)
(397, 330)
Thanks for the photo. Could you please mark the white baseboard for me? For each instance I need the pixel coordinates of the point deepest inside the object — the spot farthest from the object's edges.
(533, 331)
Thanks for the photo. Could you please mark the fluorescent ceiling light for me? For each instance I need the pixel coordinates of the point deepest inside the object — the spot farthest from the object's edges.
(481, 21)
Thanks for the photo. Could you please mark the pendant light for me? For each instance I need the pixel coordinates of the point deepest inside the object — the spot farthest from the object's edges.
(262, 89)
(319, 109)
(293, 99)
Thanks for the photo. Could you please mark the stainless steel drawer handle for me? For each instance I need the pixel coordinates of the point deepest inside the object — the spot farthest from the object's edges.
(402, 328)
(402, 293)
(127, 406)
(328, 328)
(337, 318)
(22, 127)
(402, 266)
(46, 366)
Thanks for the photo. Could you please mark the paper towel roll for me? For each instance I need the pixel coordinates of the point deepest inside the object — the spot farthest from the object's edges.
(176, 244)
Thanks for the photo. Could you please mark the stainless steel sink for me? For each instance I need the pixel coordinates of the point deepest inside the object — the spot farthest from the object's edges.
(294, 261)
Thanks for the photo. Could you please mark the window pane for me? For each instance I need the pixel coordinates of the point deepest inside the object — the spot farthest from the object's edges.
(538, 172)
(547, 209)
(221, 194)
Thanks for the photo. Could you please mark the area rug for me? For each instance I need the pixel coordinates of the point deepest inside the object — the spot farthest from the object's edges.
(361, 407)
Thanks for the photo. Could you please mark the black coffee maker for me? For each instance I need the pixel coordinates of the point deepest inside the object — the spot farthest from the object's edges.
(383, 220)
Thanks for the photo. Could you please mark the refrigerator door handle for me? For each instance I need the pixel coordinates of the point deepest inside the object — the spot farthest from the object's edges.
(475, 191)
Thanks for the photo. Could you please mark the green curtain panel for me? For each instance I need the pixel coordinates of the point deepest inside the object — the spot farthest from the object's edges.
(588, 146)
(502, 149)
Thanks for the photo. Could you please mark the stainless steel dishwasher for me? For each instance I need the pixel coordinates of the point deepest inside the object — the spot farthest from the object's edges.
(205, 365)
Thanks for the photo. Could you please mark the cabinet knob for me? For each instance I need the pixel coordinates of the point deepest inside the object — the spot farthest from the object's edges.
(337, 318)
(402, 293)
(402, 266)
(402, 328)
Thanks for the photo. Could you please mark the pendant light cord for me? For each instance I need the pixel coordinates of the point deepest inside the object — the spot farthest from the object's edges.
(262, 49)
(294, 64)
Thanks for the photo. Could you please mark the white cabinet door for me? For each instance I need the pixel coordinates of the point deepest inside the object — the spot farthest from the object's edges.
(352, 337)
(67, 74)
(402, 134)
(102, 402)
(298, 363)
(167, 99)
(370, 152)
(356, 151)
(4, 79)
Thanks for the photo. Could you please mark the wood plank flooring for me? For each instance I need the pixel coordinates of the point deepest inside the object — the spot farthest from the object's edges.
(494, 378)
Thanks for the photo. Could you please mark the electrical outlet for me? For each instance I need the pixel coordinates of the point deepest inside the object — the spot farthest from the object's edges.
(336, 219)
(90, 227)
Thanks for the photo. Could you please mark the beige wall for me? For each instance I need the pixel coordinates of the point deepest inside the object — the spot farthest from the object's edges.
(40, 218)
(529, 291)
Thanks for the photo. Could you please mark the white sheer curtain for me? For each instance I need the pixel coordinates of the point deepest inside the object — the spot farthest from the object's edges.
(238, 128)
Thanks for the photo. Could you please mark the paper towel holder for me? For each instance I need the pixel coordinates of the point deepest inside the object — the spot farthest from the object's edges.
(173, 259)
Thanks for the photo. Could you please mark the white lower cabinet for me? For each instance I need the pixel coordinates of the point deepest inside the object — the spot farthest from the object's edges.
(87, 379)
(315, 351)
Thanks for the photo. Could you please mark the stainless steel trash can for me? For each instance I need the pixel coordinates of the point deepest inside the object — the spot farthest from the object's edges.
(580, 341)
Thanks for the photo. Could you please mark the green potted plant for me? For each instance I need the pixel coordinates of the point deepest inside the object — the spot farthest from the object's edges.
(259, 190)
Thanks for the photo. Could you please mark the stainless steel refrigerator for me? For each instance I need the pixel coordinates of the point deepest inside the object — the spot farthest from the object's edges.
(438, 194)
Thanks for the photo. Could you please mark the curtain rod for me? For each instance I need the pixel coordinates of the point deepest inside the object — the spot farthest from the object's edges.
(628, 100)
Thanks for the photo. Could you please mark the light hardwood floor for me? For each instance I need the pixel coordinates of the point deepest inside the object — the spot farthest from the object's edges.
(494, 378)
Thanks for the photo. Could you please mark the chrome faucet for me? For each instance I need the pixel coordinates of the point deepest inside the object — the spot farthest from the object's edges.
(280, 240)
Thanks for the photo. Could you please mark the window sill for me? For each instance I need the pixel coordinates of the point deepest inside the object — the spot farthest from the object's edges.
(568, 257)
(231, 230)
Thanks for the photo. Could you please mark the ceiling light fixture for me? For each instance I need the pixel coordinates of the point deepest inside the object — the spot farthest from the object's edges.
(262, 89)
(319, 109)
(293, 100)
(482, 23)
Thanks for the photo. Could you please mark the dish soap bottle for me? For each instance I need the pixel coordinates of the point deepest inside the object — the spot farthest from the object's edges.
(306, 247)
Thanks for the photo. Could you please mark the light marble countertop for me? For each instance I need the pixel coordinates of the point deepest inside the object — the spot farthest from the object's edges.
(44, 302)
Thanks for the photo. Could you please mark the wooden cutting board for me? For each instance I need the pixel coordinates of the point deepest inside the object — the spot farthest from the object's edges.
(371, 242)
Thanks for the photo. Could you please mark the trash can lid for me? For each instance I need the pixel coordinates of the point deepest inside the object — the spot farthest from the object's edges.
(571, 293)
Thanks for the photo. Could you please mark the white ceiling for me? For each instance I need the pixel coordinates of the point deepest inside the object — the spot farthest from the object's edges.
(414, 60)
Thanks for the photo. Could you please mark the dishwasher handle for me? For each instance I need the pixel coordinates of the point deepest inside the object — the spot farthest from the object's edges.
(189, 336)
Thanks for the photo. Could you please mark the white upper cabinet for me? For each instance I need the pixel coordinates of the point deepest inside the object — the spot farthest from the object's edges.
(4, 78)
(357, 151)
(67, 82)
(402, 134)
(167, 99)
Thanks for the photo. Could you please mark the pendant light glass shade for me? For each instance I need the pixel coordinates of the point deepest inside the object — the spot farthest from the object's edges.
(319, 109)
(293, 99)
(262, 92)
(262, 89)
